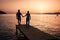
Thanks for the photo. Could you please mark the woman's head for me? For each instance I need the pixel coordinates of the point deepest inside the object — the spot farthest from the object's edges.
(27, 11)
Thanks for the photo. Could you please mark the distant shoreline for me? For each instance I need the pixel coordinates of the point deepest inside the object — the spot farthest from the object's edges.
(36, 13)
(2, 12)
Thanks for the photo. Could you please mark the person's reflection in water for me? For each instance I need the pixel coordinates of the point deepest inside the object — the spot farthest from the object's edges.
(28, 17)
(18, 15)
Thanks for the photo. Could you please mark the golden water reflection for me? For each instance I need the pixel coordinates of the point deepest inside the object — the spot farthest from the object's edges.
(47, 23)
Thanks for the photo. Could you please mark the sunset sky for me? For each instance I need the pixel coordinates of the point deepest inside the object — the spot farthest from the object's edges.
(34, 6)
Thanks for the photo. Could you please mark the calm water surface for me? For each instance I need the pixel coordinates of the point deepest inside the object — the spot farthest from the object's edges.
(47, 23)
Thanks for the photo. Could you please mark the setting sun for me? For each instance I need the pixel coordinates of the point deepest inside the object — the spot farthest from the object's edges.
(34, 6)
(41, 8)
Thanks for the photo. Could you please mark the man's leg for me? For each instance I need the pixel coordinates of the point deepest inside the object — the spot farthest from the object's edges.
(20, 21)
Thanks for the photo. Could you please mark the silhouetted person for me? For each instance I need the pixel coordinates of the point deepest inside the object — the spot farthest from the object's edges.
(18, 15)
(28, 17)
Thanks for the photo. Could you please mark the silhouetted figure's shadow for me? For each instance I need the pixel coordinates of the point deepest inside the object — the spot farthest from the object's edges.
(32, 32)
(19, 34)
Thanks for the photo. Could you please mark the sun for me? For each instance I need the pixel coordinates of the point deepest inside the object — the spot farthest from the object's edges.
(42, 8)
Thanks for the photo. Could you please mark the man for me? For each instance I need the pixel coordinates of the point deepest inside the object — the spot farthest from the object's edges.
(18, 15)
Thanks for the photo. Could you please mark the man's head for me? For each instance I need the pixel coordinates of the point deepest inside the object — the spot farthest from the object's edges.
(19, 10)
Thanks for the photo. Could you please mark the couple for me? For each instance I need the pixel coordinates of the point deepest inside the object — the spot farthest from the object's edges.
(28, 17)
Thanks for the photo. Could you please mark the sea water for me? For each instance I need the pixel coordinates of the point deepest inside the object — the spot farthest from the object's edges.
(47, 23)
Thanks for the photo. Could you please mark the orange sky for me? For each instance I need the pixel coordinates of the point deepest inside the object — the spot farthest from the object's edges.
(34, 6)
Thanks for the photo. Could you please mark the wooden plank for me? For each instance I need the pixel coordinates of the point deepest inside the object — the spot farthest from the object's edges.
(34, 33)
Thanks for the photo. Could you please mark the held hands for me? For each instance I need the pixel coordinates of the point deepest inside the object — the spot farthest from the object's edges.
(23, 16)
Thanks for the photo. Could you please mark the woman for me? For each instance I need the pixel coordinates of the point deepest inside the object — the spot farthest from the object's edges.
(28, 17)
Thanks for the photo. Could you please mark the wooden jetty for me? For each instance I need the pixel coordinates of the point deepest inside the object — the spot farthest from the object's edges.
(31, 33)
